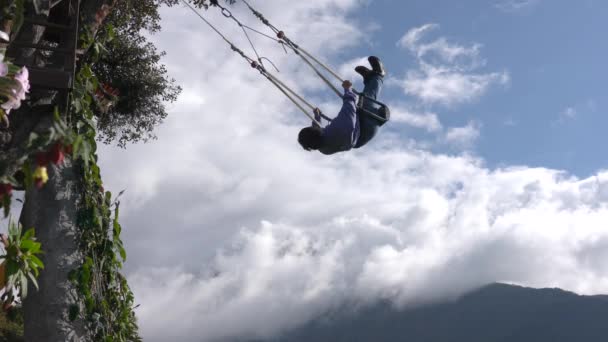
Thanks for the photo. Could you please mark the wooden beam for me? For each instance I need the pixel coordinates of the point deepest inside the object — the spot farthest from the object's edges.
(49, 78)
(45, 23)
(39, 47)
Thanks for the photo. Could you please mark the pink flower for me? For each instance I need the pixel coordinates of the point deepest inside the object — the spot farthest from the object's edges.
(22, 86)
(3, 69)
(22, 76)
(11, 104)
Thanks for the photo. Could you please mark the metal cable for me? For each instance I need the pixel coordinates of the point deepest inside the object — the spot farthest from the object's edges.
(297, 49)
(286, 90)
(293, 100)
(262, 33)
(276, 79)
(329, 84)
(331, 71)
(228, 14)
(261, 17)
(252, 46)
(232, 46)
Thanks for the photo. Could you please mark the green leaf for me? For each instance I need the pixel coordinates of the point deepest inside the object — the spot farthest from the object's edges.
(36, 261)
(74, 311)
(33, 279)
(35, 248)
(29, 178)
(73, 276)
(123, 253)
(117, 229)
(111, 32)
(57, 114)
(23, 285)
(28, 234)
(76, 145)
(32, 138)
(77, 106)
(86, 71)
(26, 245)
(11, 267)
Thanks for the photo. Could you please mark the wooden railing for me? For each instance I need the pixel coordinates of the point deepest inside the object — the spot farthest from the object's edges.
(60, 39)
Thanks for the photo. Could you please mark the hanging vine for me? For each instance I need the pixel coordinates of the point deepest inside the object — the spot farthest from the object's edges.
(105, 299)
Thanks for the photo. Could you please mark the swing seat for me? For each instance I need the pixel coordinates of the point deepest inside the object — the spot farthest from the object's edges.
(381, 113)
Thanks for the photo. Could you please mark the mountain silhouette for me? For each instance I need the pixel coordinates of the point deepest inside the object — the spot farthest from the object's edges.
(494, 313)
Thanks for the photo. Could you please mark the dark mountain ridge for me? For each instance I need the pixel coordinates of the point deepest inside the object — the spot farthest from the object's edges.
(494, 313)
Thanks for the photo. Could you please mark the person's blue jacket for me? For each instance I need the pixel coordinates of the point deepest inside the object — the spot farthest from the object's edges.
(343, 131)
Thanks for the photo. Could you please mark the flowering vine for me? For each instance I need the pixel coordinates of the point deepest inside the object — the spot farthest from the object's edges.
(14, 85)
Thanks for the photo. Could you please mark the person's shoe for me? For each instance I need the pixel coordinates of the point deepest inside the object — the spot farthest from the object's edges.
(363, 71)
(377, 66)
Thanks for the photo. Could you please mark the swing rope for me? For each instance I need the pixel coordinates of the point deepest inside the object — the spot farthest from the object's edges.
(286, 90)
(305, 55)
(232, 46)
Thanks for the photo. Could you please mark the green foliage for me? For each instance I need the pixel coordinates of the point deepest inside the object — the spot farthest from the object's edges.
(105, 299)
(108, 301)
(132, 68)
(199, 3)
(21, 262)
(11, 325)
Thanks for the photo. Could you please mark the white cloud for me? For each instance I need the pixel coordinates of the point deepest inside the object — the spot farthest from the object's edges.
(463, 136)
(591, 105)
(446, 51)
(510, 122)
(515, 5)
(448, 86)
(446, 73)
(347, 69)
(412, 37)
(577, 111)
(570, 113)
(428, 121)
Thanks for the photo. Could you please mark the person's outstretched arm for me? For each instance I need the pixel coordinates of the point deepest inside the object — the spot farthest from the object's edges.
(342, 131)
(349, 100)
(318, 118)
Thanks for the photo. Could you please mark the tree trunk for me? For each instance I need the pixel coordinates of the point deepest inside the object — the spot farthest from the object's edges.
(52, 211)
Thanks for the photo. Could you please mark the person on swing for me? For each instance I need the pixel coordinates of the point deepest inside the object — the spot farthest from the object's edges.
(348, 129)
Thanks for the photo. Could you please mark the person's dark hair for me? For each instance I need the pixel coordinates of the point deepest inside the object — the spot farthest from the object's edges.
(311, 138)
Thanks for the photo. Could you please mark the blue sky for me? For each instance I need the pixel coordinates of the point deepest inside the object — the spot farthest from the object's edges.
(555, 54)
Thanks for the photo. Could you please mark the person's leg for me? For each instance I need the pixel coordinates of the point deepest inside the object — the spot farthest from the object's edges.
(373, 85)
(369, 126)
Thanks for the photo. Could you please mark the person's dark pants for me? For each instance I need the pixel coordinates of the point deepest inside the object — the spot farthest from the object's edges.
(368, 125)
